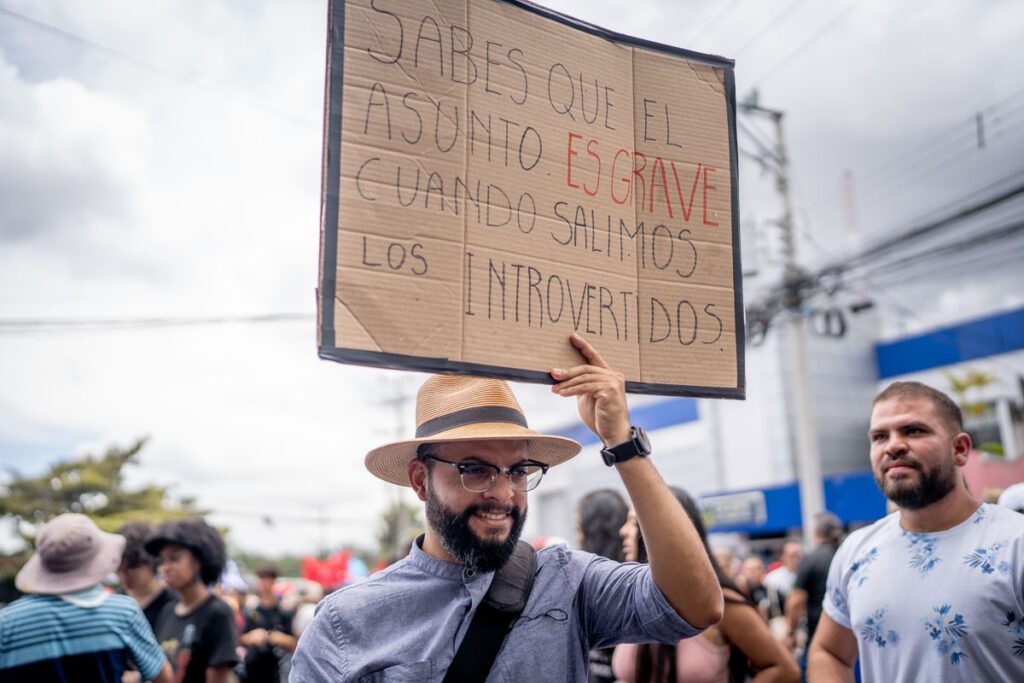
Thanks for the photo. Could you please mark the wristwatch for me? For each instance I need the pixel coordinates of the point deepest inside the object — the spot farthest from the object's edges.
(638, 444)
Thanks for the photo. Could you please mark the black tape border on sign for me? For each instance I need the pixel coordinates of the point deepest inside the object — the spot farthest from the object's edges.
(334, 79)
(331, 182)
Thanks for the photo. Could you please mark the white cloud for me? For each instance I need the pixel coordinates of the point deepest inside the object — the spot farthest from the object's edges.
(191, 187)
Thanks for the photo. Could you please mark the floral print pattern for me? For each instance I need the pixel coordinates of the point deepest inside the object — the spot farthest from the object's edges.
(987, 559)
(1016, 628)
(923, 555)
(948, 633)
(858, 570)
(874, 630)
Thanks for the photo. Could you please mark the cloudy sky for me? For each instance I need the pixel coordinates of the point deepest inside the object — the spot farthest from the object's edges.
(161, 161)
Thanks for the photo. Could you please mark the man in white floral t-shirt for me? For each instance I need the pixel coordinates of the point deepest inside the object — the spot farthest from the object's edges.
(934, 591)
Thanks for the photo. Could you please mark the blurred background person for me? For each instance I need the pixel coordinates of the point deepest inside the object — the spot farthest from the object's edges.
(198, 633)
(138, 572)
(308, 594)
(599, 517)
(751, 582)
(778, 583)
(803, 605)
(726, 559)
(782, 578)
(1013, 497)
(67, 627)
(267, 634)
(739, 648)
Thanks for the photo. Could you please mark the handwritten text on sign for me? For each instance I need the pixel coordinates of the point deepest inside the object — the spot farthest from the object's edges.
(506, 179)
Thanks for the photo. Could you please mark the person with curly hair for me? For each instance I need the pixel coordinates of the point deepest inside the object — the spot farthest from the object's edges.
(599, 516)
(138, 572)
(198, 634)
(739, 648)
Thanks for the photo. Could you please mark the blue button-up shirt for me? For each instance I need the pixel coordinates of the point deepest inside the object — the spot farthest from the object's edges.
(405, 623)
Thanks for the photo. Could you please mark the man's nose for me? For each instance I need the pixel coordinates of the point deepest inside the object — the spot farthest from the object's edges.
(895, 445)
(502, 488)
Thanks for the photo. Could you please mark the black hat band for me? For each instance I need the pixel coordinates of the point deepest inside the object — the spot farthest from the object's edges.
(469, 416)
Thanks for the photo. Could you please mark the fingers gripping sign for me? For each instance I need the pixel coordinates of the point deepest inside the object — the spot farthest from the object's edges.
(600, 393)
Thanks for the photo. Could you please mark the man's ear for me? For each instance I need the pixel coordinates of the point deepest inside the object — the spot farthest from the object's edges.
(961, 448)
(418, 476)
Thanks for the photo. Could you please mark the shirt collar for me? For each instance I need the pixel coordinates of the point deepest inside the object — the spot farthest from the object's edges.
(421, 560)
(90, 597)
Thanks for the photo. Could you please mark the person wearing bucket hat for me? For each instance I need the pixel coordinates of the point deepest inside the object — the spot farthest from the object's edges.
(67, 627)
(472, 462)
(197, 633)
(935, 590)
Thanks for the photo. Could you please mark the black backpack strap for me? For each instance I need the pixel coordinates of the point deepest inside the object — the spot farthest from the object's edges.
(504, 602)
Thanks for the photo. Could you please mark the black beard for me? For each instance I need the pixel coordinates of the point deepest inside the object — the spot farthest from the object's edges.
(933, 486)
(465, 546)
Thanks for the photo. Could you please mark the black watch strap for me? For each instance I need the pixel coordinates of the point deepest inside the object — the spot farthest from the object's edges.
(638, 445)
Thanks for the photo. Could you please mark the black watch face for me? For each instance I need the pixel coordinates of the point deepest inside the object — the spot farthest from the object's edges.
(642, 441)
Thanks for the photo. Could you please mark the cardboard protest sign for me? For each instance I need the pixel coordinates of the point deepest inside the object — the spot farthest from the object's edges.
(497, 176)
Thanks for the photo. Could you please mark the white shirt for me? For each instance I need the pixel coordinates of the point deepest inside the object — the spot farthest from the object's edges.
(943, 606)
(780, 579)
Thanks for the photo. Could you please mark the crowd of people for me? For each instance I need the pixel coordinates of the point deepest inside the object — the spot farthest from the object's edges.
(934, 591)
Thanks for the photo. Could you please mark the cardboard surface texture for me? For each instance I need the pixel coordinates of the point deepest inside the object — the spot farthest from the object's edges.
(497, 176)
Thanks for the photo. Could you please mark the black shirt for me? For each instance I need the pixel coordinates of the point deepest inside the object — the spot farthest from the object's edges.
(153, 609)
(204, 637)
(262, 664)
(811, 576)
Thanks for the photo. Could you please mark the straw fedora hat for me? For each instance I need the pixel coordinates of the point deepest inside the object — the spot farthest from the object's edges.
(72, 554)
(461, 408)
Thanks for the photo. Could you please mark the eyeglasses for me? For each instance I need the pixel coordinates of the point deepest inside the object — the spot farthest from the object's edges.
(478, 477)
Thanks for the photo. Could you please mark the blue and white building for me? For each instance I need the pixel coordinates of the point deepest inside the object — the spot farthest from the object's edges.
(739, 458)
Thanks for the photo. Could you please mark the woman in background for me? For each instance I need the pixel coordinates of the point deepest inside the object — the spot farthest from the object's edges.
(599, 516)
(738, 648)
(198, 633)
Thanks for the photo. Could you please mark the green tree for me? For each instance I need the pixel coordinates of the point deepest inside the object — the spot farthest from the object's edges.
(400, 524)
(965, 387)
(92, 485)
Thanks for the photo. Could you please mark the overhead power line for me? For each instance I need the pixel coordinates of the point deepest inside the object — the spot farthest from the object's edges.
(879, 187)
(885, 245)
(1000, 118)
(764, 29)
(696, 33)
(155, 68)
(807, 43)
(30, 325)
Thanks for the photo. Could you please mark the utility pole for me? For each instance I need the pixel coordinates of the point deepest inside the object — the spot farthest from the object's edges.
(795, 282)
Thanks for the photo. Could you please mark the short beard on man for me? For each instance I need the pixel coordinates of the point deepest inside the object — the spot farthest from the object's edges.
(464, 545)
(932, 486)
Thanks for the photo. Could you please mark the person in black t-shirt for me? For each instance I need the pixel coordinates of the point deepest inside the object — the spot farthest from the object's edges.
(138, 572)
(811, 576)
(198, 634)
(267, 635)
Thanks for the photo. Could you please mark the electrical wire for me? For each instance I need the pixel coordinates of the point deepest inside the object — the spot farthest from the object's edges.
(155, 68)
(762, 146)
(764, 29)
(964, 130)
(882, 291)
(915, 233)
(804, 45)
(878, 188)
(724, 9)
(32, 325)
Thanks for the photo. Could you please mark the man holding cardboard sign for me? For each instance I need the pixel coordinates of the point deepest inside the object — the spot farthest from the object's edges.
(470, 602)
(497, 176)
